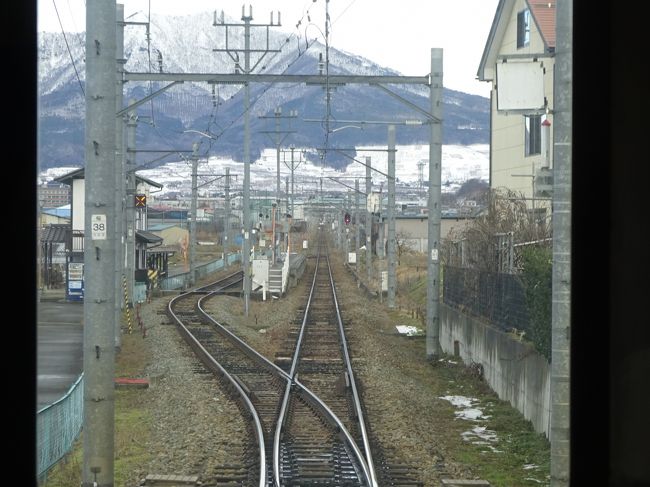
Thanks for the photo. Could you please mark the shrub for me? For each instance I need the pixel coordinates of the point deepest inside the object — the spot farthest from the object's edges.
(537, 272)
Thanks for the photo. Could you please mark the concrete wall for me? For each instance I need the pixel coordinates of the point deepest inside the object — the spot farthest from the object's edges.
(514, 370)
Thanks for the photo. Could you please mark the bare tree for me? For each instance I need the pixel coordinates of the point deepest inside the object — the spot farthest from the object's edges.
(480, 244)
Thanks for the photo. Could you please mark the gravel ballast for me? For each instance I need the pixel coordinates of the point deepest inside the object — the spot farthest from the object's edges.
(193, 422)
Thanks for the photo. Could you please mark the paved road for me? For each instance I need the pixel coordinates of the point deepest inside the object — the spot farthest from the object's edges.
(59, 359)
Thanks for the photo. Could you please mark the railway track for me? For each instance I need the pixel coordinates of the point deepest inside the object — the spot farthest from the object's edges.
(306, 423)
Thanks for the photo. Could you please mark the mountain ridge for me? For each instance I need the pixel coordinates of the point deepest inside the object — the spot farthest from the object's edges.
(185, 46)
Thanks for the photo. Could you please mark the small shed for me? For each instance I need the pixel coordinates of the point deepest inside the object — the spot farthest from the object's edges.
(172, 235)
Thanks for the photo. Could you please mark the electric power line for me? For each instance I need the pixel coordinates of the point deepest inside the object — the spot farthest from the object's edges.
(68, 47)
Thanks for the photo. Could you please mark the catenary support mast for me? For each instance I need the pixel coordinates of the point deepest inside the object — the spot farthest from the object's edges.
(433, 258)
(99, 246)
(120, 183)
(392, 264)
(560, 435)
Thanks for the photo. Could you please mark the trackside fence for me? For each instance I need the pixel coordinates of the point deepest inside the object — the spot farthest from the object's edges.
(57, 427)
(59, 424)
(179, 281)
(497, 297)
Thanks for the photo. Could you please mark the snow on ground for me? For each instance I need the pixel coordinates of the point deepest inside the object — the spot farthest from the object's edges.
(479, 435)
(459, 164)
(408, 330)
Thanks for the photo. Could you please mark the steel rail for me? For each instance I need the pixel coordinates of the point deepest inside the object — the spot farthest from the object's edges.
(309, 395)
(315, 401)
(353, 385)
(214, 366)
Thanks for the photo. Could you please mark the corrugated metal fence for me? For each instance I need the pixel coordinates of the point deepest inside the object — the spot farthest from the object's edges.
(57, 427)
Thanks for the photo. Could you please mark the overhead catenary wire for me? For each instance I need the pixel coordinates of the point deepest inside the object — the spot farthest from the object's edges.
(212, 118)
(148, 34)
(68, 48)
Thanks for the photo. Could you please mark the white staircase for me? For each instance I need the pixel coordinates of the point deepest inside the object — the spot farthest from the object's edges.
(275, 279)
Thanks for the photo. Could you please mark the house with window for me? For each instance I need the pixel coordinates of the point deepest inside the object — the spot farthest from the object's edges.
(145, 245)
(518, 60)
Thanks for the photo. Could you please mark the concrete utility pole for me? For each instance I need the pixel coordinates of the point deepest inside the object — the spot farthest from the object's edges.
(247, 160)
(131, 124)
(292, 167)
(357, 221)
(232, 52)
(392, 263)
(99, 246)
(193, 205)
(435, 158)
(280, 137)
(560, 434)
(226, 223)
(380, 219)
(368, 220)
(120, 183)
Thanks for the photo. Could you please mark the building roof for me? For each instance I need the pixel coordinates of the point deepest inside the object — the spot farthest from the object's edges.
(157, 227)
(444, 215)
(55, 233)
(147, 237)
(544, 16)
(543, 13)
(62, 211)
(80, 174)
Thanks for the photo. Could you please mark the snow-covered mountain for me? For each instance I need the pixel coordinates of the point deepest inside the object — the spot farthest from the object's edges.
(185, 44)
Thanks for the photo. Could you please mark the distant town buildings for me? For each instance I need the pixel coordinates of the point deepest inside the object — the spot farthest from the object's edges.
(53, 195)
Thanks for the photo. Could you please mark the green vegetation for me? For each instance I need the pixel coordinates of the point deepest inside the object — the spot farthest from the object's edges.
(519, 456)
(537, 276)
(501, 462)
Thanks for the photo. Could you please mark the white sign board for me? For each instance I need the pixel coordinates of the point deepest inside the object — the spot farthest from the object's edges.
(520, 86)
(305, 244)
(384, 280)
(372, 203)
(98, 227)
(352, 257)
(260, 271)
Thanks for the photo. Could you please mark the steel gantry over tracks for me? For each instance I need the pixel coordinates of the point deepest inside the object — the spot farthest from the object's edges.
(434, 120)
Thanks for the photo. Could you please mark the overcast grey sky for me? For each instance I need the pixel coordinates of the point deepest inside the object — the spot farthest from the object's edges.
(398, 34)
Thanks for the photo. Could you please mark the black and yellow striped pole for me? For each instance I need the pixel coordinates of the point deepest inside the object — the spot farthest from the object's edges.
(152, 275)
(127, 305)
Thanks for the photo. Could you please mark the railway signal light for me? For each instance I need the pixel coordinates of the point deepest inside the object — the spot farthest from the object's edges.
(346, 218)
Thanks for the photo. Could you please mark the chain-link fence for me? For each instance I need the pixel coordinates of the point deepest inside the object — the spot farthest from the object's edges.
(497, 297)
(57, 427)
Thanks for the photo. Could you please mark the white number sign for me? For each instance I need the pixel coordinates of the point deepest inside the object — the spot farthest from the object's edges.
(98, 227)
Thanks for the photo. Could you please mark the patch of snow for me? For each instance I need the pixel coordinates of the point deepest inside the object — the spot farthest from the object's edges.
(407, 330)
(459, 401)
(480, 432)
(470, 414)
